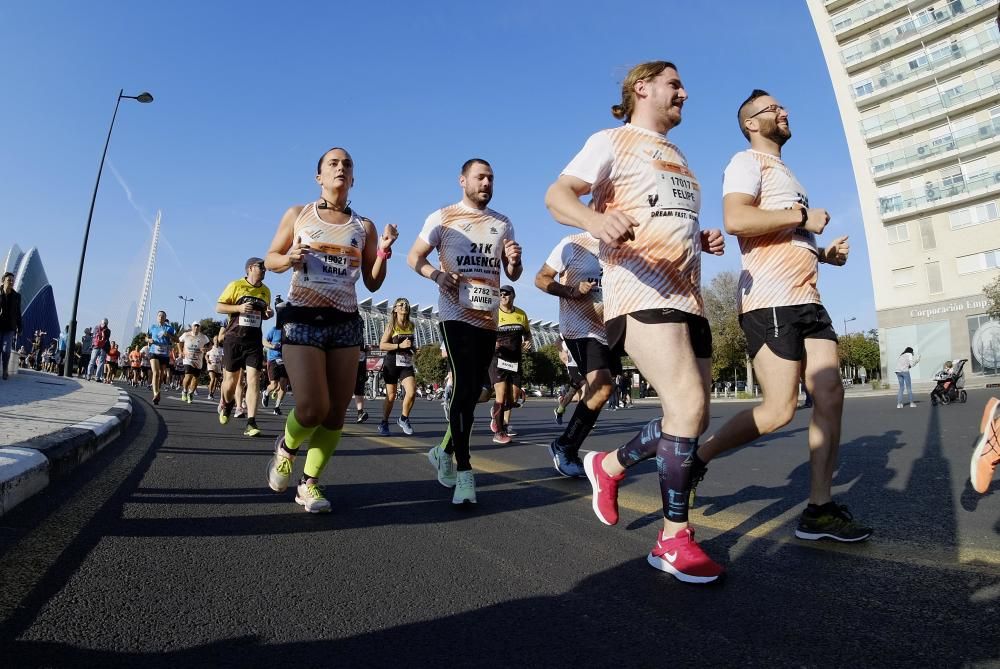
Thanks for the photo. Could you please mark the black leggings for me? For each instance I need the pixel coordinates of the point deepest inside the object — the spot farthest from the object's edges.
(470, 350)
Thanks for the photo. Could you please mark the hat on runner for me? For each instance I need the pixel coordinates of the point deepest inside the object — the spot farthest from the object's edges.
(251, 262)
(195, 324)
(507, 289)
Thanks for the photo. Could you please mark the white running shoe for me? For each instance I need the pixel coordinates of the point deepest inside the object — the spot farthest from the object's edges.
(279, 469)
(444, 466)
(311, 497)
(465, 488)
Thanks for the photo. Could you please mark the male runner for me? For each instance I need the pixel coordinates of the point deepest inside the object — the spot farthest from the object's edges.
(247, 302)
(574, 390)
(192, 345)
(581, 322)
(214, 358)
(276, 374)
(473, 242)
(513, 339)
(788, 331)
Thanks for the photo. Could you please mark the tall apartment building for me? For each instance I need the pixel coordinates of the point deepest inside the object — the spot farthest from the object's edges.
(918, 87)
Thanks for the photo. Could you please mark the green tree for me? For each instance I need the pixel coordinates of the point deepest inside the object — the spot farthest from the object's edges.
(210, 327)
(430, 366)
(138, 340)
(860, 349)
(729, 345)
(992, 293)
(543, 367)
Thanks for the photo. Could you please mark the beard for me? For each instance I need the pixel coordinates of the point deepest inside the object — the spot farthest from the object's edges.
(774, 132)
(479, 197)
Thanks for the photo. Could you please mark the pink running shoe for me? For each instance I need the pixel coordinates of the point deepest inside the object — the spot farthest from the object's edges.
(682, 557)
(987, 453)
(605, 500)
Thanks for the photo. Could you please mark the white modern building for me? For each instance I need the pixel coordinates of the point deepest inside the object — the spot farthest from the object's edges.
(918, 87)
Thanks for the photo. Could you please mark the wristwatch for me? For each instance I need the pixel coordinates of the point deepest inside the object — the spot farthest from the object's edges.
(805, 217)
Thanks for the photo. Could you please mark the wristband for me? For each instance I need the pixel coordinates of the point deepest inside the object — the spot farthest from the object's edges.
(385, 254)
(805, 217)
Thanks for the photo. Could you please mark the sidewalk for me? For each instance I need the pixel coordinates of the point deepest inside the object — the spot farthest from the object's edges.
(49, 425)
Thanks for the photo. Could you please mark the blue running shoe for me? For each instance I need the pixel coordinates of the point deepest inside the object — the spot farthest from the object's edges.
(383, 429)
(569, 466)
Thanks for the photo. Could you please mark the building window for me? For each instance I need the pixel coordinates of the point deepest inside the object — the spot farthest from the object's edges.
(978, 262)
(934, 277)
(897, 232)
(904, 276)
(927, 234)
(981, 213)
(862, 88)
(890, 198)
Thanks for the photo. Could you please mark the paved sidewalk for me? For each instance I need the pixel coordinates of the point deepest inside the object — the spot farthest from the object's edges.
(49, 425)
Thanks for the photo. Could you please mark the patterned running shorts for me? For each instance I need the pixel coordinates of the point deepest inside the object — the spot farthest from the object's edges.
(344, 334)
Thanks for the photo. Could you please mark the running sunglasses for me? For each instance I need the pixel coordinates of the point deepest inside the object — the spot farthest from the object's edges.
(505, 292)
(770, 108)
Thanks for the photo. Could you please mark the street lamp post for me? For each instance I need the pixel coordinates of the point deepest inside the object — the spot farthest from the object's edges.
(185, 310)
(143, 98)
(848, 320)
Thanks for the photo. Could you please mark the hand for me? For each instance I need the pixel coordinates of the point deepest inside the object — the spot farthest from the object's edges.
(512, 250)
(614, 228)
(389, 236)
(246, 308)
(816, 220)
(585, 287)
(447, 280)
(836, 253)
(296, 253)
(405, 345)
(712, 241)
(526, 346)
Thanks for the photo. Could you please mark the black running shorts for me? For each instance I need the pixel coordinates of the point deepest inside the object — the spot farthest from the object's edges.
(699, 331)
(591, 355)
(498, 375)
(392, 374)
(785, 329)
(239, 353)
(275, 371)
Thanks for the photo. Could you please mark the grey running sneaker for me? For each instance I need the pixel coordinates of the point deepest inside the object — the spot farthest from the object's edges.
(465, 488)
(567, 465)
(404, 425)
(830, 521)
(265, 397)
(279, 469)
(311, 498)
(443, 465)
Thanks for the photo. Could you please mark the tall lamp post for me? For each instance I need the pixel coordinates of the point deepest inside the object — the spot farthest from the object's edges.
(144, 98)
(848, 320)
(185, 310)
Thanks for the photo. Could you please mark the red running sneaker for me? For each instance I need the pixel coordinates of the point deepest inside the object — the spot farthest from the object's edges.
(605, 499)
(987, 453)
(682, 557)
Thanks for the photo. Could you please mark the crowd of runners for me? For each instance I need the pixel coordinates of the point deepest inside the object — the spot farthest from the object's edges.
(628, 281)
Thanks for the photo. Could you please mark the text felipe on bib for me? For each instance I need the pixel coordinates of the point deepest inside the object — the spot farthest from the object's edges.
(478, 295)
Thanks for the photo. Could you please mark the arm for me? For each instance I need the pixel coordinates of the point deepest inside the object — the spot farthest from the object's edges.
(375, 256)
(545, 280)
(285, 252)
(563, 201)
(743, 219)
(511, 256)
(417, 259)
(384, 344)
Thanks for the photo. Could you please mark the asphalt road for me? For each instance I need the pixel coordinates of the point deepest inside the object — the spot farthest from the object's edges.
(169, 550)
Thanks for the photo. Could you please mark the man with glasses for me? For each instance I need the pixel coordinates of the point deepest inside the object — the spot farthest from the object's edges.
(513, 339)
(247, 302)
(789, 333)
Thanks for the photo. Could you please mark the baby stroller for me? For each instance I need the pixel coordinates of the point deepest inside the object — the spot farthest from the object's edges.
(950, 385)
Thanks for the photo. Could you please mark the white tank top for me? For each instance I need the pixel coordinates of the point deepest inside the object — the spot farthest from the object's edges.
(333, 264)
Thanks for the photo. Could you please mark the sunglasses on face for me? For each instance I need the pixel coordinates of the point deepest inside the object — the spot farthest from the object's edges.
(504, 293)
(770, 108)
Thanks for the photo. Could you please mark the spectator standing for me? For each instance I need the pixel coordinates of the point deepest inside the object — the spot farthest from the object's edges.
(99, 352)
(63, 348)
(10, 319)
(904, 363)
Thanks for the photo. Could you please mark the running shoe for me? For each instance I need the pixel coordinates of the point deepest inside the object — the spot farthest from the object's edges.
(362, 416)
(240, 412)
(559, 414)
(494, 420)
(184, 397)
(189, 398)
(251, 430)
(510, 431)
(465, 488)
(227, 411)
(831, 521)
(569, 466)
(383, 429)
(311, 497)
(279, 469)
(404, 425)
(682, 557)
(987, 453)
(277, 411)
(443, 465)
(222, 404)
(265, 398)
(605, 501)
(156, 398)
(501, 438)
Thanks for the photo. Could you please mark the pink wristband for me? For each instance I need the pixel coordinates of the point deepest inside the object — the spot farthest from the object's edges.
(384, 254)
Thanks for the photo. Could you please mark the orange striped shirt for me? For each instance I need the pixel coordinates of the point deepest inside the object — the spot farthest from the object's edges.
(333, 265)
(780, 268)
(575, 260)
(642, 174)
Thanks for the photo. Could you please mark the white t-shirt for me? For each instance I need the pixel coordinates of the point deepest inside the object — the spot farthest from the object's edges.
(193, 345)
(905, 361)
(575, 260)
(470, 243)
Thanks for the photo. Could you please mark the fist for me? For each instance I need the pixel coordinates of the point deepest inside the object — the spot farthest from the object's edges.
(512, 251)
(816, 220)
(614, 228)
(585, 287)
(836, 253)
(713, 242)
(297, 252)
(389, 236)
(447, 280)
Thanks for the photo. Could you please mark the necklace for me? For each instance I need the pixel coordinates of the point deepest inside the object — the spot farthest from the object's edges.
(334, 207)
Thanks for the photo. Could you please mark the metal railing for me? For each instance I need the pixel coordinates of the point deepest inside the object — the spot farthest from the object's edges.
(919, 152)
(937, 190)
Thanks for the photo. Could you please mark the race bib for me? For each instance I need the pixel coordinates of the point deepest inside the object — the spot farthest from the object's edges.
(156, 349)
(249, 320)
(804, 239)
(331, 263)
(404, 360)
(507, 365)
(677, 188)
(478, 295)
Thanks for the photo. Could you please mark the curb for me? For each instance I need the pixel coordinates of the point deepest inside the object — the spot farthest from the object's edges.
(27, 467)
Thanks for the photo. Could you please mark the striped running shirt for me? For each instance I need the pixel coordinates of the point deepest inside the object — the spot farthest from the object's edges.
(642, 174)
(333, 264)
(575, 260)
(470, 243)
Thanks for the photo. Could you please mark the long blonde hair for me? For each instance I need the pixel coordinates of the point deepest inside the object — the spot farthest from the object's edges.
(406, 323)
(641, 72)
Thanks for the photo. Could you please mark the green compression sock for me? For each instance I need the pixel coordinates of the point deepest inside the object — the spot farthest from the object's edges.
(321, 447)
(295, 433)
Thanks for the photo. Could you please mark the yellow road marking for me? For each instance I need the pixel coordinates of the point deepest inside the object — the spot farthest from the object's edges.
(777, 530)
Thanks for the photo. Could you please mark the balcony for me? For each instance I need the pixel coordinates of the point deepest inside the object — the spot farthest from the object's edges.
(938, 195)
(958, 53)
(832, 6)
(891, 41)
(981, 90)
(924, 155)
(857, 20)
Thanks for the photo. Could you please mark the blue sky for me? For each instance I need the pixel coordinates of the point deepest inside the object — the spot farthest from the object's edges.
(249, 95)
